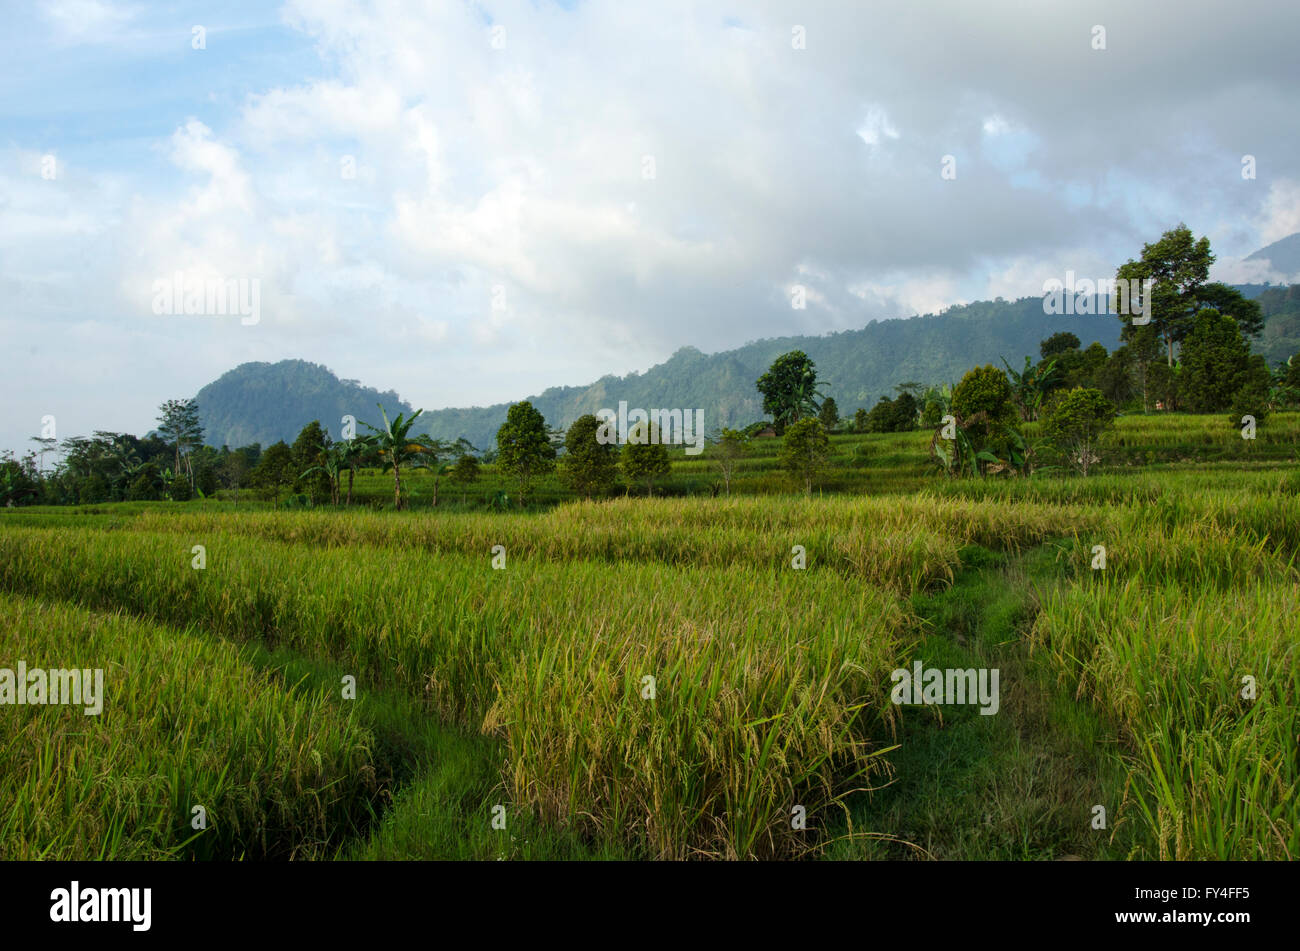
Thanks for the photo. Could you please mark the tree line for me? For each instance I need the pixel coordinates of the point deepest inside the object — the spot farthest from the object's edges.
(1193, 355)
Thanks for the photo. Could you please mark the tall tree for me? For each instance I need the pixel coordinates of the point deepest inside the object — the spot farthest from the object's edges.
(316, 465)
(465, 472)
(178, 424)
(1076, 424)
(789, 389)
(644, 460)
(590, 466)
(275, 468)
(1214, 358)
(829, 414)
(524, 447)
(1179, 264)
(984, 408)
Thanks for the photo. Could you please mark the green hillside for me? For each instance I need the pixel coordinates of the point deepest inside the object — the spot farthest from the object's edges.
(266, 402)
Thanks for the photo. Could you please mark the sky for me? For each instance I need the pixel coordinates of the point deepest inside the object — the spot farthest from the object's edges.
(468, 202)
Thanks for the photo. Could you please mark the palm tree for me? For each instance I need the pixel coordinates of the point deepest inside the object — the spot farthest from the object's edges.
(397, 447)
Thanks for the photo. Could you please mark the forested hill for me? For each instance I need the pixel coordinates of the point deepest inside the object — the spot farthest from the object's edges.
(860, 366)
(264, 402)
(267, 402)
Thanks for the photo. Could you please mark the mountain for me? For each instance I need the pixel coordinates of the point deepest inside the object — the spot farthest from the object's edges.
(1283, 256)
(267, 402)
(860, 366)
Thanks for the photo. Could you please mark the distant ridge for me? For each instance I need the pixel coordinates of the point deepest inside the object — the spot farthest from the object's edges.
(267, 402)
(860, 366)
(1283, 256)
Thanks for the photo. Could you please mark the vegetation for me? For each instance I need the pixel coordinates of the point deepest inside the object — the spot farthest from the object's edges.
(703, 674)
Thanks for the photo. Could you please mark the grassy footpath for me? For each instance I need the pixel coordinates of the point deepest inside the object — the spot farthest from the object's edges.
(1012, 786)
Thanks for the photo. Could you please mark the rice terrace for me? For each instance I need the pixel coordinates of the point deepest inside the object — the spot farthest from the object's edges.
(463, 456)
(655, 678)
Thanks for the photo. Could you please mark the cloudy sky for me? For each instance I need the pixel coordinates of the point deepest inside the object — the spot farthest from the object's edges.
(468, 202)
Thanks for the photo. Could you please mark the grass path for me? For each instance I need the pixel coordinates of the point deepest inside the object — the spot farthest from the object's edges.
(1020, 784)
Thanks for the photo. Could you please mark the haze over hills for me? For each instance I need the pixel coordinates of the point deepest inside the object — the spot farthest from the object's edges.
(1283, 256)
(265, 402)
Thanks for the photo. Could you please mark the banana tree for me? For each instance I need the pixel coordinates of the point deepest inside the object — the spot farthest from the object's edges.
(397, 447)
(1030, 386)
(956, 453)
(805, 400)
(13, 487)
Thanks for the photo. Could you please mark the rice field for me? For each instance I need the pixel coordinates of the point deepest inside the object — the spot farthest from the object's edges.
(688, 677)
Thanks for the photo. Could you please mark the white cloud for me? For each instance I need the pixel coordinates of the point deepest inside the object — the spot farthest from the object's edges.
(88, 21)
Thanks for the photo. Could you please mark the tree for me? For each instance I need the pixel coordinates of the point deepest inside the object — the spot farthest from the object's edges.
(860, 420)
(829, 414)
(1254, 395)
(178, 424)
(1230, 301)
(789, 389)
(906, 410)
(589, 466)
(275, 469)
(727, 453)
(644, 459)
(396, 447)
(1179, 265)
(434, 451)
(524, 448)
(805, 451)
(48, 444)
(984, 406)
(1030, 385)
(465, 472)
(883, 416)
(1214, 357)
(233, 470)
(1144, 353)
(1076, 424)
(1115, 378)
(17, 484)
(1057, 344)
(334, 459)
(317, 467)
(352, 455)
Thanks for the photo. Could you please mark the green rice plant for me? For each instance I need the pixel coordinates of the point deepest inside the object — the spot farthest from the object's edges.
(898, 543)
(1205, 690)
(185, 722)
(764, 705)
